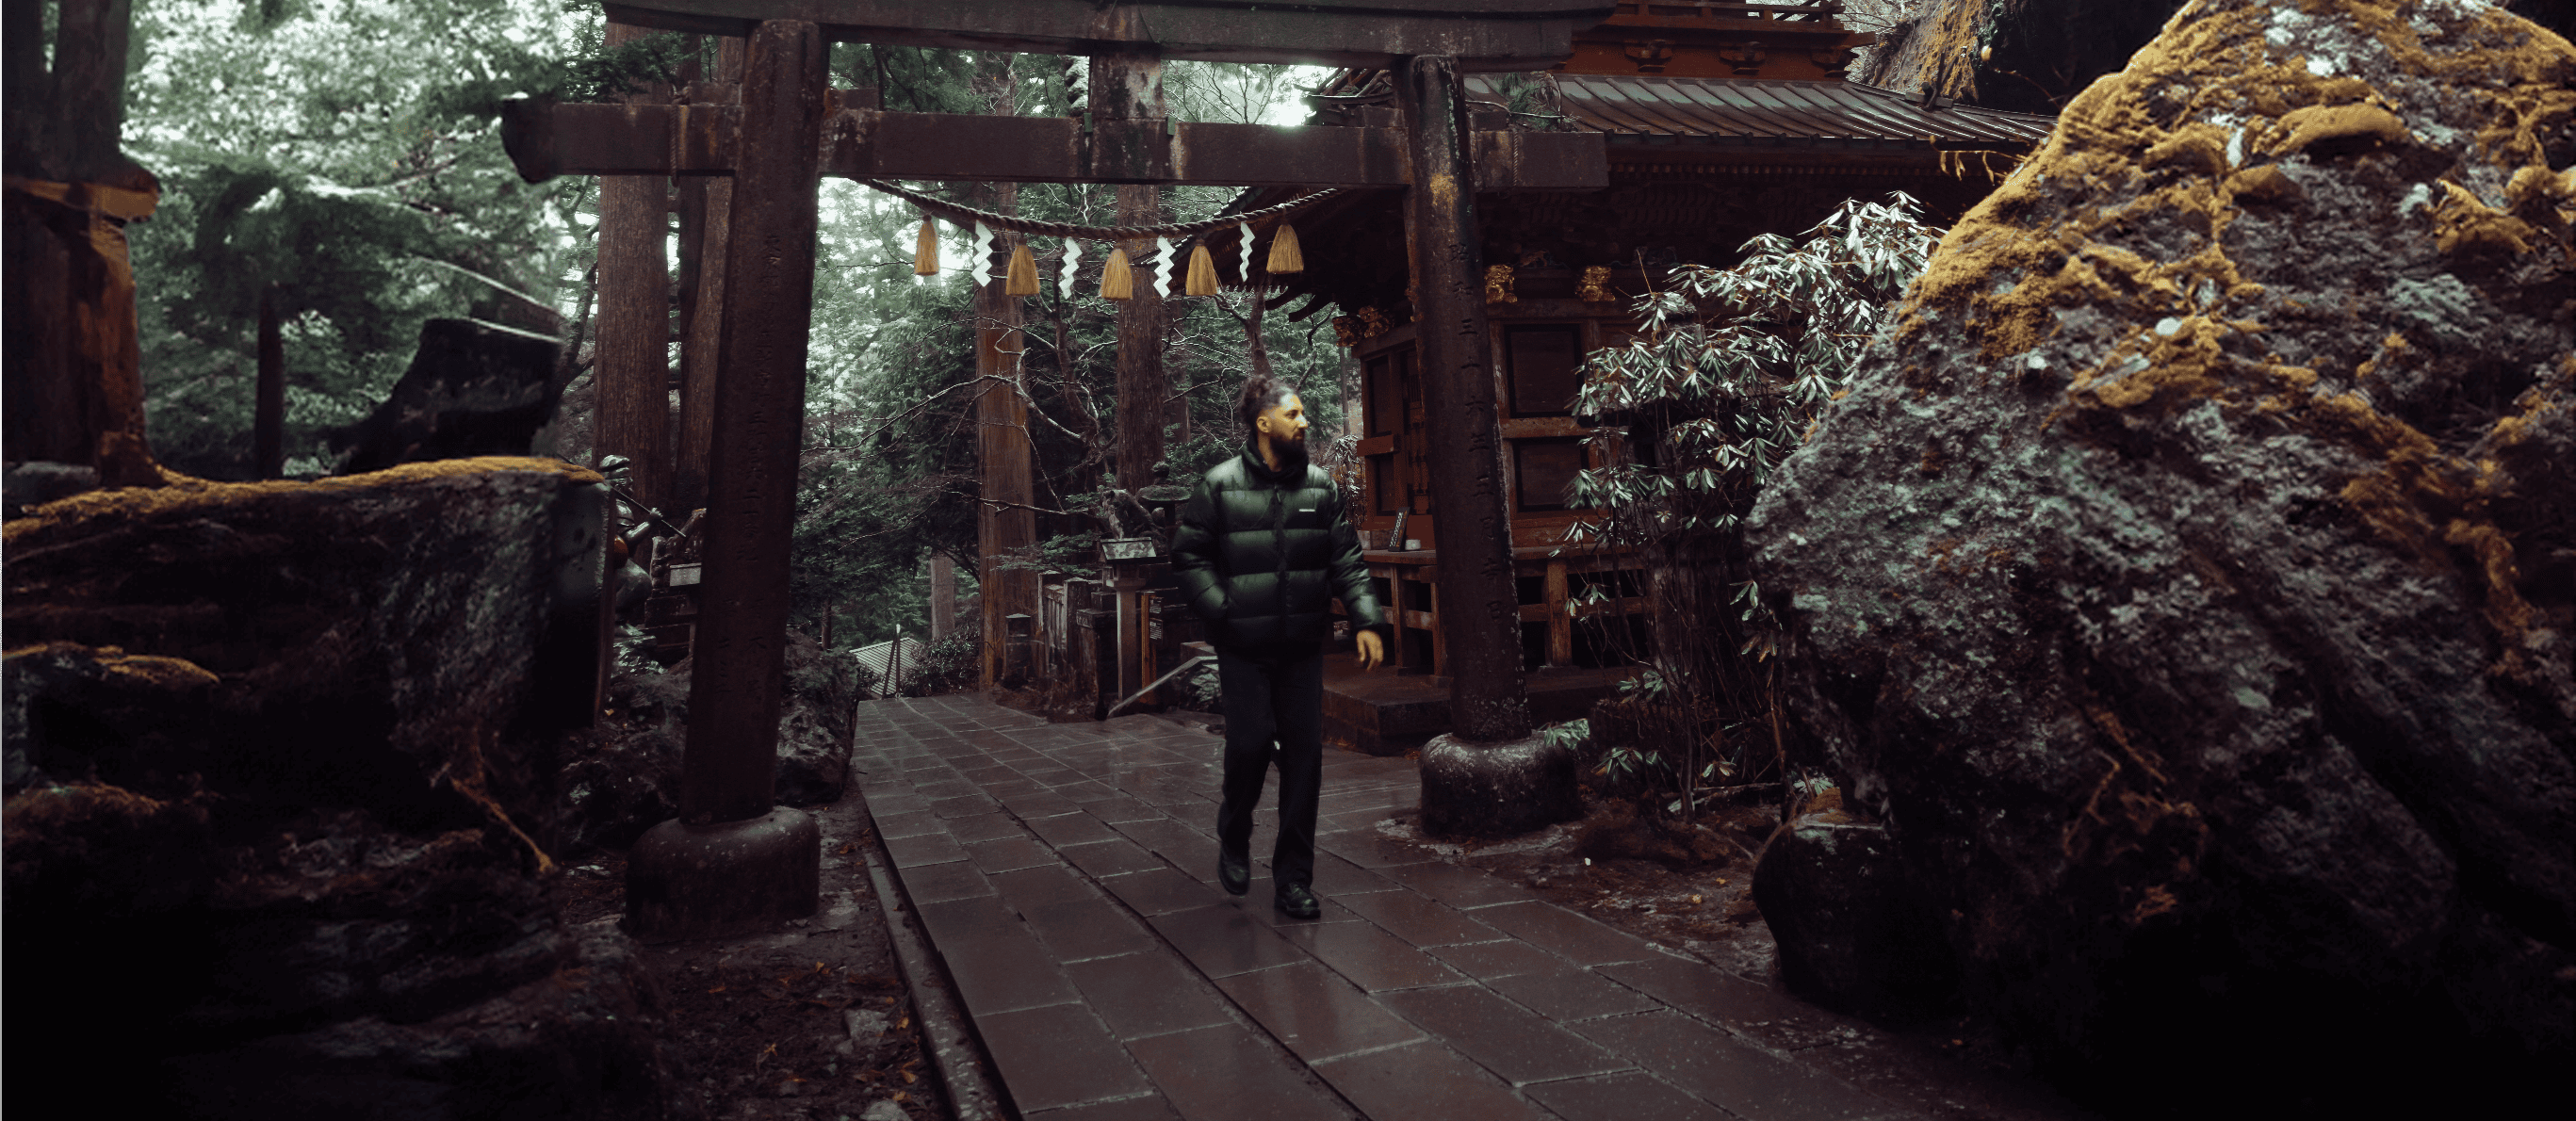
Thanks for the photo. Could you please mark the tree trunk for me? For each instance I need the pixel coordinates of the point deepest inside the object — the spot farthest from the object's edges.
(943, 596)
(633, 371)
(1128, 86)
(74, 380)
(2028, 56)
(268, 407)
(706, 203)
(1005, 521)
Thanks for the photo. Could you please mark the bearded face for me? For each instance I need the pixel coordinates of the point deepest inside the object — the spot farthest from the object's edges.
(1283, 429)
(1291, 451)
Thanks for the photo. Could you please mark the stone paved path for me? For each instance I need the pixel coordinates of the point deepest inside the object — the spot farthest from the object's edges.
(1066, 874)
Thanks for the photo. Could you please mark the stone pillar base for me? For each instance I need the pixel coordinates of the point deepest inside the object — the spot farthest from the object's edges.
(714, 881)
(1496, 790)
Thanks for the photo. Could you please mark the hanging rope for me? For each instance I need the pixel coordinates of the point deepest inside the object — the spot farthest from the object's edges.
(969, 216)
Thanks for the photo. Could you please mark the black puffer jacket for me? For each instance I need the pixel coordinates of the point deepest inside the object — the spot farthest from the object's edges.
(1261, 556)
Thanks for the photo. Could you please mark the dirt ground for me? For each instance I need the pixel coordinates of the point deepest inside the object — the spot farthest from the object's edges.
(813, 1022)
(1686, 887)
(1690, 888)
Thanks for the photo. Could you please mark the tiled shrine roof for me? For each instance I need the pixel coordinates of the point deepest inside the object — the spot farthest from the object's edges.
(1775, 112)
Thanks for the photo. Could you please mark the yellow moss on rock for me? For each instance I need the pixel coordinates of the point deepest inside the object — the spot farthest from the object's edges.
(2033, 233)
(136, 502)
(2198, 146)
(2313, 123)
(2153, 144)
(2183, 362)
(2469, 226)
(151, 672)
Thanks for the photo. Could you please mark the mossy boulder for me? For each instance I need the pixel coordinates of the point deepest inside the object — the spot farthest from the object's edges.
(2188, 581)
(1854, 933)
(281, 762)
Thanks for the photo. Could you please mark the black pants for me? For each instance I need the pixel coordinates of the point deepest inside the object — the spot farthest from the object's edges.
(1271, 700)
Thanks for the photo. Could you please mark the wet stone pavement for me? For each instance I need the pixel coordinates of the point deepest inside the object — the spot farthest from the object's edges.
(1066, 876)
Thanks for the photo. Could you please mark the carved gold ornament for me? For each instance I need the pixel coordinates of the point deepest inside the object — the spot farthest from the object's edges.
(1595, 287)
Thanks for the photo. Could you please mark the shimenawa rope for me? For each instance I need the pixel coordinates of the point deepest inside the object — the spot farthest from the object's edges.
(968, 216)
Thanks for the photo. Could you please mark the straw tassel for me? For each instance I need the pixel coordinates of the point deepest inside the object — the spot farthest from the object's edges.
(925, 251)
(1284, 254)
(1115, 283)
(1202, 273)
(1022, 280)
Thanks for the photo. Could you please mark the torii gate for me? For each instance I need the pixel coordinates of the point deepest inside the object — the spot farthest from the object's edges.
(732, 862)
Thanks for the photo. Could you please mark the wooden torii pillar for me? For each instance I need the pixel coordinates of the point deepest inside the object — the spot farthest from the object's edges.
(733, 862)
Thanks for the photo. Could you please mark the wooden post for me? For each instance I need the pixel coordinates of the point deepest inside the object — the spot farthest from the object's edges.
(1128, 86)
(633, 369)
(1396, 646)
(1354, 386)
(1479, 645)
(1560, 626)
(1440, 637)
(604, 640)
(268, 398)
(769, 277)
(706, 204)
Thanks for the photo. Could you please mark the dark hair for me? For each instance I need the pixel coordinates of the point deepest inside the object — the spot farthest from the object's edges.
(1261, 393)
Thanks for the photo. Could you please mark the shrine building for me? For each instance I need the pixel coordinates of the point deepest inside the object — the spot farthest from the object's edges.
(1722, 121)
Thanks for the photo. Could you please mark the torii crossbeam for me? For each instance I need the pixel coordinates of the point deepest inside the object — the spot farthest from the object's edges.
(731, 861)
(1481, 35)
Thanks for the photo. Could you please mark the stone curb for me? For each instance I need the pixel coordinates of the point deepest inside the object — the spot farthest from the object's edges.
(962, 1066)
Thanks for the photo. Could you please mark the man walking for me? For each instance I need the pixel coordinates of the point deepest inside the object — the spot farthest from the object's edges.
(1263, 546)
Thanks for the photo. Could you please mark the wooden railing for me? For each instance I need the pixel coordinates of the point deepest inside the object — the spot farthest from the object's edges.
(1419, 610)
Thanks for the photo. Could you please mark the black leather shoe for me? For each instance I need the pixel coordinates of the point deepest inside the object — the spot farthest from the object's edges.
(1296, 902)
(1234, 873)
